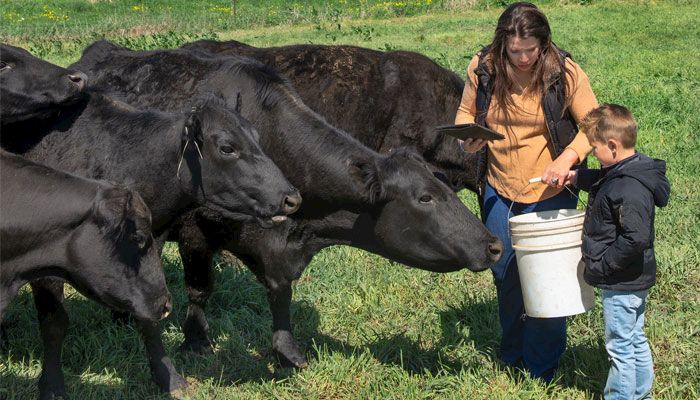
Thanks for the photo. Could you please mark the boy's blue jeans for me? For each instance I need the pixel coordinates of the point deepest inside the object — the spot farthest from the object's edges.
(631, 367)
(536, 343)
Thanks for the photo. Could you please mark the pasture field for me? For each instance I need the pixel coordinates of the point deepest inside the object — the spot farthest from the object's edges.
(374, 329)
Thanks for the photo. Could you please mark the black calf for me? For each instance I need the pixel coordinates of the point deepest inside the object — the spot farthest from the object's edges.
(90, 233)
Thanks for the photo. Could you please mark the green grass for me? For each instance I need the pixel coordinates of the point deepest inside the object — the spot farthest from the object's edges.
(373, 328)
(75, 18)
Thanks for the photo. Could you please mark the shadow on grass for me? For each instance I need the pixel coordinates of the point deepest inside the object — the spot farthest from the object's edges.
(469, 341)
(583, 366)
(243, 356)
(474, 324)
(16, 387)
(101, 359)
(403, 351)
(241, 328)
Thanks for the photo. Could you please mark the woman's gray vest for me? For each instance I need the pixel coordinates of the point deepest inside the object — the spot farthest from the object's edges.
(561, 125)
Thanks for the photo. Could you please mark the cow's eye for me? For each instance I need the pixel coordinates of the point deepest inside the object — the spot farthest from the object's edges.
(426, 198)
(229, 151)
(4, 66)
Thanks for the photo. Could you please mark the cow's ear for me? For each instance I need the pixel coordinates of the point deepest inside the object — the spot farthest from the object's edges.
(139, 215)
(366, 175)
(110, 210)
(121, 214)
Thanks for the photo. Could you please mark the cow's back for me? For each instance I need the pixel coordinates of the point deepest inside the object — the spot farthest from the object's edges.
(386, 100)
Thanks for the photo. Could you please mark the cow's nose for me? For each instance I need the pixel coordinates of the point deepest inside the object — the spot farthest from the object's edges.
(292, 203)
(495, 250)
(79, 79)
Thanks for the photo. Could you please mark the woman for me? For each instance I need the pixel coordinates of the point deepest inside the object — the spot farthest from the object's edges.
(526, 88)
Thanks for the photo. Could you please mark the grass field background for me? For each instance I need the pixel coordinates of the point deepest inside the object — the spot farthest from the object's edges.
(373, 328)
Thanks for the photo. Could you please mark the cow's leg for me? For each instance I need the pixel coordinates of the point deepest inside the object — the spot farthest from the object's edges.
(283, 343)
(162, 368)
(4, 343)
(196, 257)
(53, 325)
(163, 371)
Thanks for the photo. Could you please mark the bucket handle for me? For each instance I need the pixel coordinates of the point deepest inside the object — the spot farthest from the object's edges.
(530, 182)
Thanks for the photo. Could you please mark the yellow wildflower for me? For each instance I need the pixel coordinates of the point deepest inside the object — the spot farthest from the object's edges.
(51, 14)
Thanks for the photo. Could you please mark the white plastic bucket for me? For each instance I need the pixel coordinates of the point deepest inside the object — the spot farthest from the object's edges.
(547, 246)
(545, 220)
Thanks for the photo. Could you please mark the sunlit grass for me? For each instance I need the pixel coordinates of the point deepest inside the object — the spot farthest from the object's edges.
(373, 328)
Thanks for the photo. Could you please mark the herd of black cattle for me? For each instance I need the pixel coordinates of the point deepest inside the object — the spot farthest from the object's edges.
(213, 146)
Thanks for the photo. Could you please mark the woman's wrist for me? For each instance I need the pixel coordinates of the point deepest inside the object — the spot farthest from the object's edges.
(570, 156)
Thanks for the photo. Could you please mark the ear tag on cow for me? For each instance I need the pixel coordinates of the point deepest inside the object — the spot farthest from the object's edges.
(198, 151)
(179, 164)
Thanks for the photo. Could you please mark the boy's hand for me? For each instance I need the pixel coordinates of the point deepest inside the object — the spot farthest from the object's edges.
(570, 178)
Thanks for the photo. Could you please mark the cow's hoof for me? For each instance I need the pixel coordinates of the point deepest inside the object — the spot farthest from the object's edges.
(51, 385)
(291, 360)
(199, 347)
(57, 394)
(169, 381)
(177, 383)
(287, 350)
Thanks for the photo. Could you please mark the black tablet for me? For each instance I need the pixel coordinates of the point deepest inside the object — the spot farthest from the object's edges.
(470, 131)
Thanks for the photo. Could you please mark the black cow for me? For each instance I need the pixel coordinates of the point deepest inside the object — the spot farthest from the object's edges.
(389, 205)
(33, 88)
(95, 235)
(384, 99)
(207, 157)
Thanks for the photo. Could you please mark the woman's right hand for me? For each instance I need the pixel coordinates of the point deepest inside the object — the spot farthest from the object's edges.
(471, 145)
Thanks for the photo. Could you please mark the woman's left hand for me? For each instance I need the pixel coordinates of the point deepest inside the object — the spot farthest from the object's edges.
(556, 173)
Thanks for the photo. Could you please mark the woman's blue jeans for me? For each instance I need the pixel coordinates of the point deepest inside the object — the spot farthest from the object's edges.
(631, 368)
(535, 343)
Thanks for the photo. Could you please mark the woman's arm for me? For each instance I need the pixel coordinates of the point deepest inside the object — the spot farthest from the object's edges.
(582, 102)
(467, 108)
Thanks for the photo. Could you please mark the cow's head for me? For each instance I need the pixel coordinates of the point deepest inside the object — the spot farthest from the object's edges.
(113, 258)
(33, 88)
(227, 169)
(418, 220)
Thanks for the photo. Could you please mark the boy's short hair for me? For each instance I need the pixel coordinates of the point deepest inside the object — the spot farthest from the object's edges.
(610, 121)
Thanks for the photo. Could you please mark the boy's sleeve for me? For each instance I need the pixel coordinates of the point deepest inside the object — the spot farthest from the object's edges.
(634, 216)
(585, 178)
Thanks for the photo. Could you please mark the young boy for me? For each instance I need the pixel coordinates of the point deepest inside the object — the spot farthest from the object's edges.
(618, 242)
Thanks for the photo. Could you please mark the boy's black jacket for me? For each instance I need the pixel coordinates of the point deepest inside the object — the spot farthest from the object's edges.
(618, 233)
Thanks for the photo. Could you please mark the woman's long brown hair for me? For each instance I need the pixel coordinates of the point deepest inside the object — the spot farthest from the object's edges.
(524, 20)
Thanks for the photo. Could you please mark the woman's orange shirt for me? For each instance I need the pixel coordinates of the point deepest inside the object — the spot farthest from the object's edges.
(527, 150)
